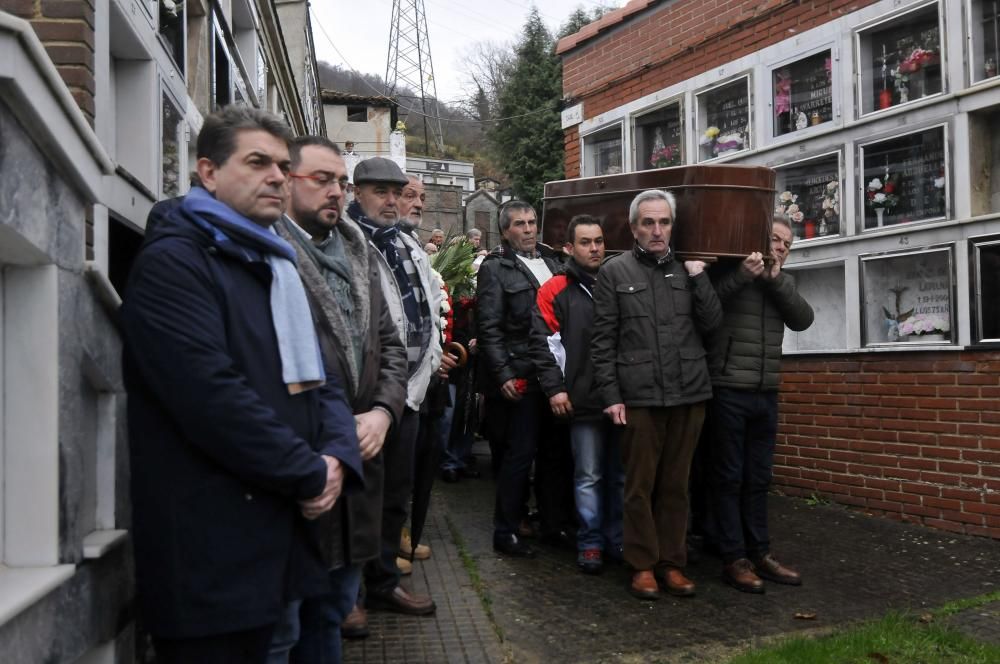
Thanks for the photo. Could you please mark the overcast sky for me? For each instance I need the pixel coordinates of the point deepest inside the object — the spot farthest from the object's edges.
(359, 30)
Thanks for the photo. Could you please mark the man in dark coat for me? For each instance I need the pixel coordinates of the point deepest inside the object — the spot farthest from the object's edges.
(758, 299)
(236, 431)
(360, 338)
(650, 312)
(507, 283)
(563, 323)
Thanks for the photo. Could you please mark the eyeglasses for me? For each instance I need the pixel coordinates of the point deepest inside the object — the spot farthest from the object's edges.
(322, 180)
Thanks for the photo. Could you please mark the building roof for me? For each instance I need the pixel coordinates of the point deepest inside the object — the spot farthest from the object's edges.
(338, 97)
(603, 24)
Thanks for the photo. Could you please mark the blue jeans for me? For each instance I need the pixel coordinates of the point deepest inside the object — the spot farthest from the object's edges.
(286, 634)
(599, 482)
(321, 618)
(743, 425)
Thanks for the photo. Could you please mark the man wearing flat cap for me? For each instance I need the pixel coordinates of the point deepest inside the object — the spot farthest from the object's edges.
(414, 299)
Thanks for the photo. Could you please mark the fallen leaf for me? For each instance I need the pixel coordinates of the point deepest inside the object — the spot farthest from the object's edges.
(926, 617)
(878, 657)
(805, 615)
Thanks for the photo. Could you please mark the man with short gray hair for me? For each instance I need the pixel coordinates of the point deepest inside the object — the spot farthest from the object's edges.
(650, 312)
(759, 300)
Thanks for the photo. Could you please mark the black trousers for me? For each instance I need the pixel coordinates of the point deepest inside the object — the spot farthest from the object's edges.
(554, 475)
(382, 574)
(246, 647)
(512, 456)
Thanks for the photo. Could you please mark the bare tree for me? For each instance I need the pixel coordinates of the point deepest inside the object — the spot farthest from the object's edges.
(486, 66)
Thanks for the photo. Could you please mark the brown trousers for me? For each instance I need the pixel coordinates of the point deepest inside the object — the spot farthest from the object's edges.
(657, 447)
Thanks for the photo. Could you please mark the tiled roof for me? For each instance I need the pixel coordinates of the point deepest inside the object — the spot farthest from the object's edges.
(338, 97)
(603, 24)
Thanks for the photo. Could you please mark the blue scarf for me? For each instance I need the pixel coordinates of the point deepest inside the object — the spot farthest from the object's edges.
(384, 239)
(301, 360)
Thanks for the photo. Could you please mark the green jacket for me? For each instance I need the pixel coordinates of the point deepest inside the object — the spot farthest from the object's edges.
(745, 352)
(649, 319)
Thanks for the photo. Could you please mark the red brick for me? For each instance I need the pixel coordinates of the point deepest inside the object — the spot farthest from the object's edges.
(21, 8)
(68, 9)
(921, 489)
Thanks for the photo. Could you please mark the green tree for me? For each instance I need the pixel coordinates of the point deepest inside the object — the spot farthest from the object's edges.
(527, 141)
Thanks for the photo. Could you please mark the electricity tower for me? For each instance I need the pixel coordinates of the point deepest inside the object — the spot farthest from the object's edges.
(409, 66)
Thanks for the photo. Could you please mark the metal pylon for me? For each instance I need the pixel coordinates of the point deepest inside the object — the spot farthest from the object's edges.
(409, 65)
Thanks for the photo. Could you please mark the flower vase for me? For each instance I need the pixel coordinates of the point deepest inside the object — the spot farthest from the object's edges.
(904, 93)
(923, 338)
(918, 83)
(809, 228)
(822, 228)
(879, 212)
(884, 99)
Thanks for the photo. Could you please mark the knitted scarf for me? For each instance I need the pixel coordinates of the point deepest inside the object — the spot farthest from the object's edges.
(301, 360)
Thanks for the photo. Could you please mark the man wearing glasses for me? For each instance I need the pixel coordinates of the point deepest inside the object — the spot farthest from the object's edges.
(359, 338)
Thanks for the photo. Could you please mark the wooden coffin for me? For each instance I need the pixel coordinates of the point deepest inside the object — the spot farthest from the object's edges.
(722, 211)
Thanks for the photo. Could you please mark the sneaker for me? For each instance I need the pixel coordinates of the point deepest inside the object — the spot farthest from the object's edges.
(589, 561)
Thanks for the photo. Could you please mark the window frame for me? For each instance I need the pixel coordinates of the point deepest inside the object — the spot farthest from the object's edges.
(840, 154)
(635, 128)
(585, 161)
(699, 130)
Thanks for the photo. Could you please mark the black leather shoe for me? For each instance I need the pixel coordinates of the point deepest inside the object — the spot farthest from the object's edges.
(450, 475)
(560, 538)
(469, 473)
(512, 546)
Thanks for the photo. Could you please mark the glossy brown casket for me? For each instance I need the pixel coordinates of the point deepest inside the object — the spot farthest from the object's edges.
(722, 211)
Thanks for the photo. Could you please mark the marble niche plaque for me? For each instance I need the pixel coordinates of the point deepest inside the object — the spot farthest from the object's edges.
(908, 297)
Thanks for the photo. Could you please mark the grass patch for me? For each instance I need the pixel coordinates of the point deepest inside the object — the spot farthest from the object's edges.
(898, 638)
(473, 571)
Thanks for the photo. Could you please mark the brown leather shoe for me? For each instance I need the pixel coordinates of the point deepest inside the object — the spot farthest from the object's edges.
(401, 601)
(644, 585)
(678, 585)
(740, 575)
(355, 625)
(770, 569)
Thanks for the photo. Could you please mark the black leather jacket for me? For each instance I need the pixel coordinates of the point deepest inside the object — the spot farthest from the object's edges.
(505, 295)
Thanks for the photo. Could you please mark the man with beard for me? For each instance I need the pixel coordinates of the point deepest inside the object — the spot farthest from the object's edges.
(340, 273)
(561, 348)
(411, 206)
(414, 299)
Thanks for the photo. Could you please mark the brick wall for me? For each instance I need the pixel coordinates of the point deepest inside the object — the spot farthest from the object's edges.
(911, 436)
(678, 40)
(66, 29)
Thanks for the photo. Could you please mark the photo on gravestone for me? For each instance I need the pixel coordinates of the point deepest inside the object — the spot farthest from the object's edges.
(984, 25)
(724, 120)
(603, 152)
(802, 93)
(908, 297)
(808, 193)
(659, 138)
(901, 60)
(987, 292)
(904, 179)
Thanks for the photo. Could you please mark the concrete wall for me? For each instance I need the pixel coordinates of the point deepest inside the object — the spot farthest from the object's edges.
(371, 138)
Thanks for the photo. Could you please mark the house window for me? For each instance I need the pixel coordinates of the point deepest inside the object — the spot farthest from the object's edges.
(984, 33)
(823, 287)
(908, 297)
(900, 59)
(724, 119)
(802, 93)
(905, 179)
(357, 113)
(659, 138)
(173, 23)
(170, 146)
(603, 152)
(222, 84)
(809, 194)
(986, 299)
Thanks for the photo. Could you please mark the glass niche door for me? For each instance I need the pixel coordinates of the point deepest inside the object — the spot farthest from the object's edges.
(724, 119)
(802, 94)
(808, 193)
(602, 152)
(659, 138)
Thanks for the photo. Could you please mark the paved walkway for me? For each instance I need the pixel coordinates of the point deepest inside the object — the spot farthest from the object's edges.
(855, 567)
